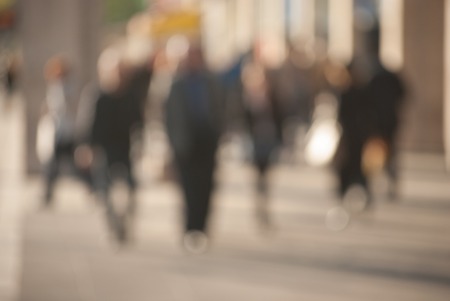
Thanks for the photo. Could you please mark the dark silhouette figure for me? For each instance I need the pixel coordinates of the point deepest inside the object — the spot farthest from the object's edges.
(118, 114)
(354, 116)
(11, 76)
(293, 88)
(139, 83)
(386, 92)
(369, 115)
(194, 122)
(264, 124)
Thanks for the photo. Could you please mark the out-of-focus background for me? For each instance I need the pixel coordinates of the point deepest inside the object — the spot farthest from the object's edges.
(315, 248)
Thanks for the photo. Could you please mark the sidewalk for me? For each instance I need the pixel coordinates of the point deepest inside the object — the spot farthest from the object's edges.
(401, 251)
(11, 197)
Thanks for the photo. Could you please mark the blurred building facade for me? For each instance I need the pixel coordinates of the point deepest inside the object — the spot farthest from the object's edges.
(412, 38)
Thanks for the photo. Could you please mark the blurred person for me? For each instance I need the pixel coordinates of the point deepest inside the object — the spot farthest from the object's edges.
(83, 155)
(231, 79)
(59, 105)
(137, 71)
(354, 116)
(194, 111)
(138, 86)
(263, 122)
(114, 121)
(138, 61)
(369, 115)
(294, 91)
(11, 76)
(386, 92)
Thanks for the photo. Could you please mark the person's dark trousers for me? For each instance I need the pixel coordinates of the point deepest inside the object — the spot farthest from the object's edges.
(196, 178)
(62, 152)
(112, 165)
(86, 176)
(107, 169)
(350, 172)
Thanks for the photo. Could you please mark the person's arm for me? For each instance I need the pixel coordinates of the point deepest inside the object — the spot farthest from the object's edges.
(177, 125)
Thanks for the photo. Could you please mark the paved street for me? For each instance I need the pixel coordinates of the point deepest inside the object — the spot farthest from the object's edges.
(399, 251)
(11, 192)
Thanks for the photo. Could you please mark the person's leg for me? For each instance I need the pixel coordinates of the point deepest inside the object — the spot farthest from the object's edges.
(262, 157)
(262, 201)
(86, 176)
(364, 182)
(103, 184)
(183, 174)
(188, 177)
(359, 176)
(132, 205)
(344, 181)
(196, 180)
(392, 170)
(52, 174)
(204, 188)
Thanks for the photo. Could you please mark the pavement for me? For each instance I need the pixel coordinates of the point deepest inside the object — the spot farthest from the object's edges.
(11, 193)
(398, 251)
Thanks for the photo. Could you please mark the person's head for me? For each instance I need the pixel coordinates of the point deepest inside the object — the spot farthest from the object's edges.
(257, 50)
(109, 70)
(194, 60)
(56, 68)
(373, 41)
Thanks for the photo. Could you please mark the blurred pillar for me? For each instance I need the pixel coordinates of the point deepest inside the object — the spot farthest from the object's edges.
(49, 27)
(447, 84)
(216, 35)
(321, 21)
(302, 20)
(424, 72)
(391, 23)
(272, 19)
(272, 29)
(340, 30)
(245, 16)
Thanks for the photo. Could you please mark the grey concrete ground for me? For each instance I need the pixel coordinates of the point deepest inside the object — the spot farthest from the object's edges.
(399, 251)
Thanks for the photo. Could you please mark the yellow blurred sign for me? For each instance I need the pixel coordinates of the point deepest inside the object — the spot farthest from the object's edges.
(176, 22)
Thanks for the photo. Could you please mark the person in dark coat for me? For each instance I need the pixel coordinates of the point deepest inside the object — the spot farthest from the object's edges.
(386, 93)
(293, 88)
(139, 84)
(116, 117)
(194, 123)
(355, 118)
(369, 115)
(264, 124)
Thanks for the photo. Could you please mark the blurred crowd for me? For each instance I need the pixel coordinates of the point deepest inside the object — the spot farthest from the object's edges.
(345, 116)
